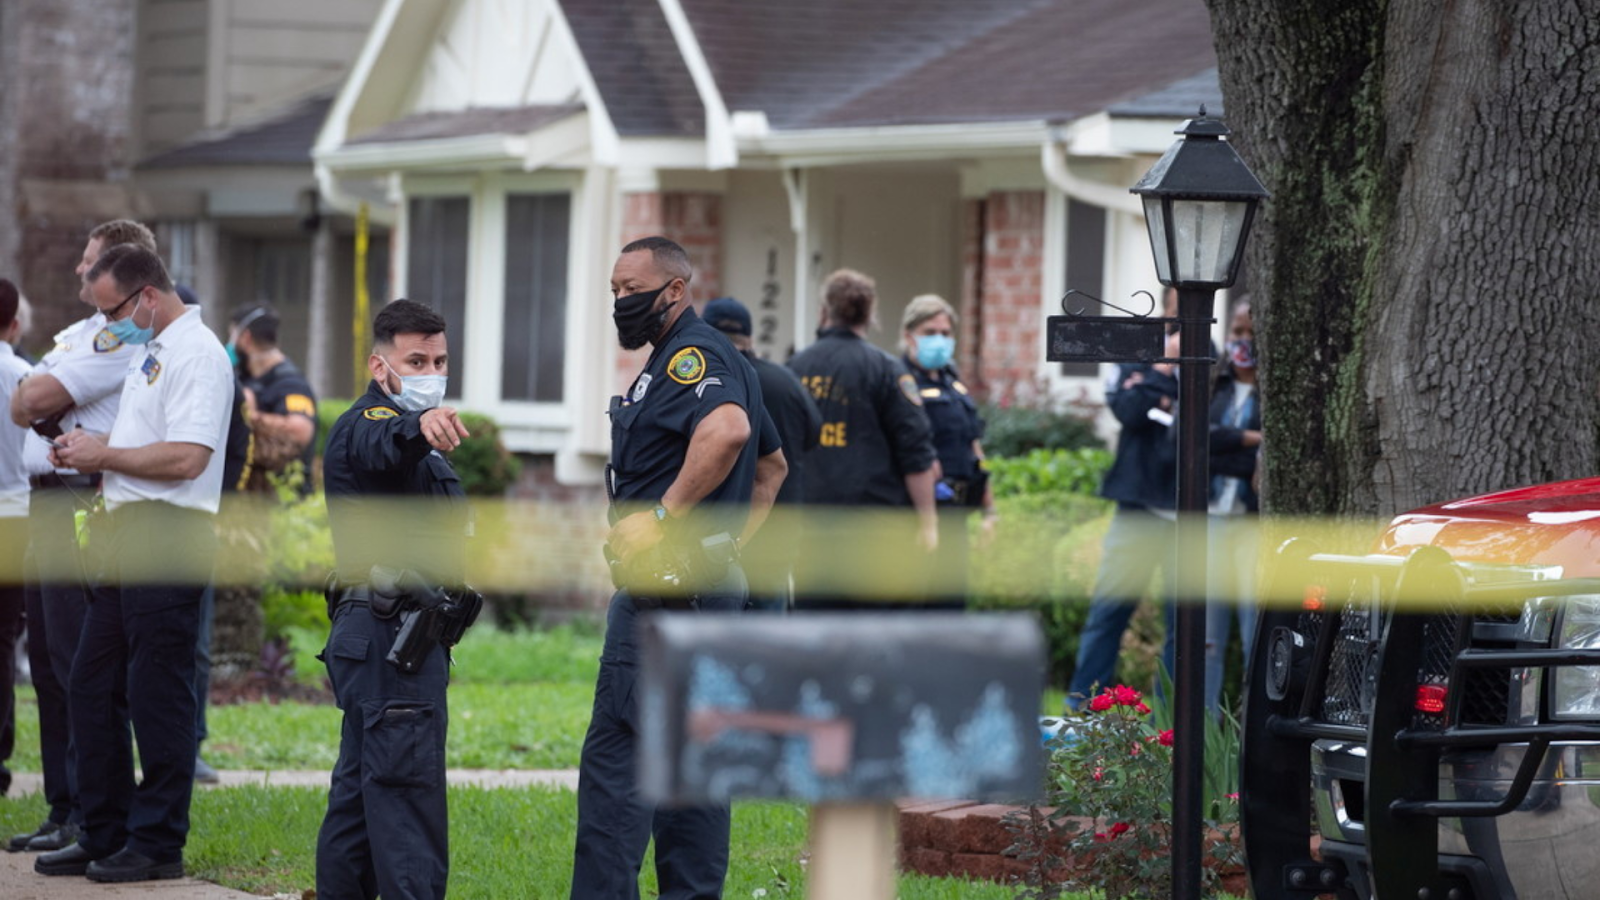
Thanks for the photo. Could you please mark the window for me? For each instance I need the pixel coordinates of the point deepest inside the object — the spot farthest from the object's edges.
(1086, 265)
(533, 351)
(436, 265)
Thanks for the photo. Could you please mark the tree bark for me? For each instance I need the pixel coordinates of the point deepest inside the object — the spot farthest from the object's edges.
(1424, 276)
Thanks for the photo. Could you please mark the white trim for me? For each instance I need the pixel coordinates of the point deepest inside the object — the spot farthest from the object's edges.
(831, 146)
(1056, 159)
(722, 150)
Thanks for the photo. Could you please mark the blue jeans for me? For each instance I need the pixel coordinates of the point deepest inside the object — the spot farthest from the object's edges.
(614, 824)
(1138, 545)
(1234, 543)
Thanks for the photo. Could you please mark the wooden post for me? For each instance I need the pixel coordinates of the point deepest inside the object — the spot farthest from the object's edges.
(853, 851)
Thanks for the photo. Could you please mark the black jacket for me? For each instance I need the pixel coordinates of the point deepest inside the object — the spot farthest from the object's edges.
(1145, 471)
(1229, 456)
(874, 432)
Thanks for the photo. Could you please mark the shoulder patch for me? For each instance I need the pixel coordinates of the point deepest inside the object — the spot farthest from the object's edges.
(300, 403)
(960, 388)
(104, 342)
(687, 366)
(378, 413)
(908, 386)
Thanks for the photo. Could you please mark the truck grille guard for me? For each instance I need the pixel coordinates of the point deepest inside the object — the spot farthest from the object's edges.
(1314, 675)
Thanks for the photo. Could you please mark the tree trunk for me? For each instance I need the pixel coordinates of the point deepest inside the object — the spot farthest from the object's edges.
(1425, 275)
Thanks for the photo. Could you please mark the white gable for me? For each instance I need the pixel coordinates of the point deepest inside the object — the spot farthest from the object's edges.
(496, 53)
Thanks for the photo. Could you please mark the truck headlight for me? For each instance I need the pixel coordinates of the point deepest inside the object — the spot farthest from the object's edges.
(1577, 688)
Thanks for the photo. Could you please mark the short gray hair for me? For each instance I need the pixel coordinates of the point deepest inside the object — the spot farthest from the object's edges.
(924, 307)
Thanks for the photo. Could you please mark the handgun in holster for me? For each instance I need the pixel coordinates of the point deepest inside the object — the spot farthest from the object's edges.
(673, 574)
(429, 614)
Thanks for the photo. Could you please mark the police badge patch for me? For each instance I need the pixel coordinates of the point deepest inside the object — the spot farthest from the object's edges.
(378, 413)
(640, 386)
(151, 369)
(908, 386)
(104, 341)
(687, 366)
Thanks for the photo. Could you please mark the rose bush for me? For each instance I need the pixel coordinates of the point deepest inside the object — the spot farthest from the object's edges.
(1110, 786)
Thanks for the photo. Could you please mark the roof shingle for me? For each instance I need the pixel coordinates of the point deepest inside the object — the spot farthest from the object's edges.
(635, 63)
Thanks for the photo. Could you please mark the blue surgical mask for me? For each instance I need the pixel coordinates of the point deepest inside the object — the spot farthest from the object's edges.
(935, 350)
(129, 332)
(418, 392)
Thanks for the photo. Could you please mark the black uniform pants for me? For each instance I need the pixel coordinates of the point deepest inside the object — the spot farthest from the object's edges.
(386, 830)
(614, 824)
(56, 601)
(135, 665)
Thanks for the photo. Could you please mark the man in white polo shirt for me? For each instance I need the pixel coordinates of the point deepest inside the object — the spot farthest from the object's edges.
(78, 384)
(162, 469)
(13, 524)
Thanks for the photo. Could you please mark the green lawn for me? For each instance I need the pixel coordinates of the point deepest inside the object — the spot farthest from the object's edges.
(517, 700)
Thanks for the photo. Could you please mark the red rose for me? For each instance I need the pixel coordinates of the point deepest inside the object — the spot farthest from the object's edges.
(1120, 828)
(1142, 710)
(1165, 738)
(1126, 696)
(1101, 703)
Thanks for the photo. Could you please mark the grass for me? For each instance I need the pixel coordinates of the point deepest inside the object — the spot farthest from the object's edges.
(518, 700)
(504, 843)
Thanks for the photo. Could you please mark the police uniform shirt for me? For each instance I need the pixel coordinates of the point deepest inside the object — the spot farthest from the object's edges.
(13, 474)
(283, 391)
(375, 454)
(874, 431)
(795, 416)
(953, 415)
(91, 365)
(692, 371)
(177, 390)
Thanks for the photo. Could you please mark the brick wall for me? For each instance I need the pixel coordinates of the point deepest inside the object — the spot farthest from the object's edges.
(1003, 250)
(694, 220)
(65, 139)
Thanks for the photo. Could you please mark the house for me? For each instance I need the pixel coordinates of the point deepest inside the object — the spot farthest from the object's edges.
(978, 149)
(197, 117)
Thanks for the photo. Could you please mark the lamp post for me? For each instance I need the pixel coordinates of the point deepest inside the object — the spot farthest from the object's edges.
(1199, 201)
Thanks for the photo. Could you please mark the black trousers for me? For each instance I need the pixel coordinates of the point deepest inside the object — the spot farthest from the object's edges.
(386, 829)
(57, 601)
(135, 666)
(614, 824)
(13, 549)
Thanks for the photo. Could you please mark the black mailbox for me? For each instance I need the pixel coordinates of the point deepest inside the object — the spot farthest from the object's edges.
(822, 708)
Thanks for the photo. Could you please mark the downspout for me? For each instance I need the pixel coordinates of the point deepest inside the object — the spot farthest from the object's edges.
(978, 270)
(1054, 160)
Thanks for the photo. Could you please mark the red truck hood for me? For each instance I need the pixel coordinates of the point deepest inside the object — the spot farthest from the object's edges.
(1549, 524)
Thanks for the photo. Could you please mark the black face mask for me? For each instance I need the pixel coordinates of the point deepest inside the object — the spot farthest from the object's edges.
(636, 322)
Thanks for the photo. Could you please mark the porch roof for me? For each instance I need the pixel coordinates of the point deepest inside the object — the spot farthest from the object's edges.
(283, 138)
(518, 120)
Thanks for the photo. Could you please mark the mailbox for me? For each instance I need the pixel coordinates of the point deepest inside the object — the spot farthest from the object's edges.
(825, 708)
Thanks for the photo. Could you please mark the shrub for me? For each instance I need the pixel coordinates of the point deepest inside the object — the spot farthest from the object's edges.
(482, 461)
(1075, 471)
(1110, 783)
(1014, 429)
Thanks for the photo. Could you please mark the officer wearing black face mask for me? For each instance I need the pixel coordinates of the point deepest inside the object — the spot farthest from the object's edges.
(385, 829)
(695, 464)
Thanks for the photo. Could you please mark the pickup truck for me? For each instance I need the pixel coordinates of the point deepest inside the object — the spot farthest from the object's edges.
(1424, 721)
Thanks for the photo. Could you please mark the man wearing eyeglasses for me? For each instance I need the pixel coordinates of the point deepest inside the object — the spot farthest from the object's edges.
(154, 552)
(78, 384)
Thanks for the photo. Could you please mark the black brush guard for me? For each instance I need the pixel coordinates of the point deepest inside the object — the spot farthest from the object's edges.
(1317, 673)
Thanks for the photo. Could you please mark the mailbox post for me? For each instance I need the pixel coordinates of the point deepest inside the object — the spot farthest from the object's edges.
(847, 713)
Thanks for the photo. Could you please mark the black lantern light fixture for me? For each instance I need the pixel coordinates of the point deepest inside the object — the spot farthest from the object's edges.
(1199, 201)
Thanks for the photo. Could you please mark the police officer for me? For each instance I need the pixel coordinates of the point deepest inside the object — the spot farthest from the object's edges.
(927, 331)
(695, 461)
(385, 829)
(78, 384)
(162, 465)
(283, 417)
(875, 447)
(769, 560)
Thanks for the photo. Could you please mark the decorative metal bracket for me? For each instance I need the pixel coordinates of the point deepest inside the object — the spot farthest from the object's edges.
(1133, 337)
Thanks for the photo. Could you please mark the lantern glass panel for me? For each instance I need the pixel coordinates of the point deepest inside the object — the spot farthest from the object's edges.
(1155, 219)
(1206, 234)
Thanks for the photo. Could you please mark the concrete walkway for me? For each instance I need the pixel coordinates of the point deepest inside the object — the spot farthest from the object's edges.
(18, 881)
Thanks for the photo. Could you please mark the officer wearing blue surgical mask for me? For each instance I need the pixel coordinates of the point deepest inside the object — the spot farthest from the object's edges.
(385, 830)
(929, 344)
